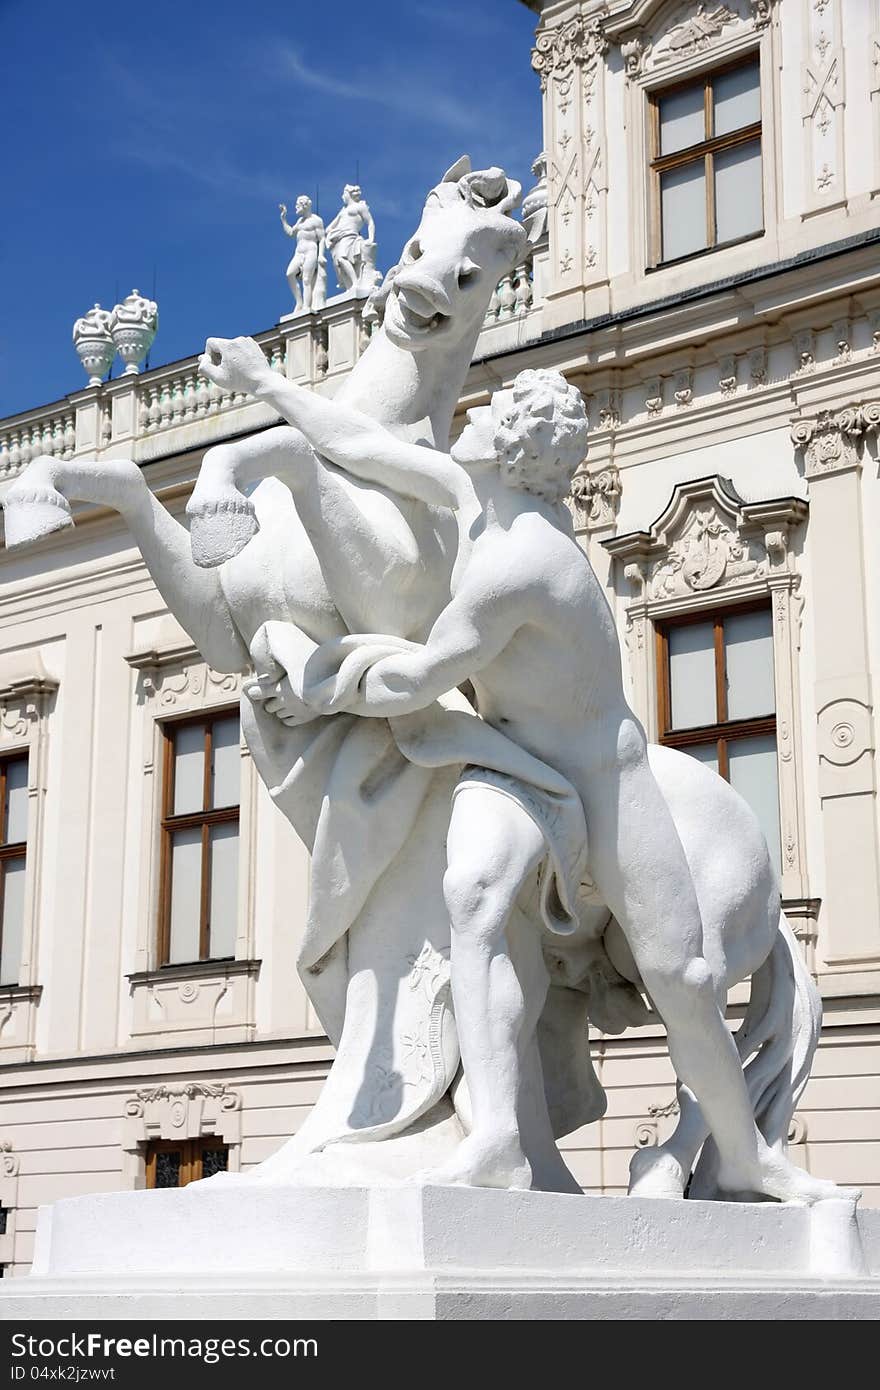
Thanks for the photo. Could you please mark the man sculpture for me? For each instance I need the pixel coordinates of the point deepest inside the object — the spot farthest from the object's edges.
(307, 271)
(467, 565)
(354, 256)
(530, 627)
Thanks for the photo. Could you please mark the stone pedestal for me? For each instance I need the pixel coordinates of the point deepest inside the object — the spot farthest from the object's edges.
(409, 1252)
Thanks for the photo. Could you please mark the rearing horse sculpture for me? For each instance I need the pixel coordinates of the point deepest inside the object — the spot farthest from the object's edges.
(329, 553)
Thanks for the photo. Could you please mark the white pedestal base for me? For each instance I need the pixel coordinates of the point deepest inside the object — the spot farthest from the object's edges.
(246, 1251)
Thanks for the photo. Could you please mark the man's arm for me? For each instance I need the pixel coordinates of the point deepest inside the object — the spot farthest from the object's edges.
(473, 629)
(353, 441)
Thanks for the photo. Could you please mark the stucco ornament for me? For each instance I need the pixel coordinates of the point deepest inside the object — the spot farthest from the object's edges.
(307, 270)
(487, 874)
(559, 47)
(133, 327)
(353, 254)
(93, 343)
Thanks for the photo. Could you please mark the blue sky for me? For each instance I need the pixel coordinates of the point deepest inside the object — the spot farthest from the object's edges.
(156, 140)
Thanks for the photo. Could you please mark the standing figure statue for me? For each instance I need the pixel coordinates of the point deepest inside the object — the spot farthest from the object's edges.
(307, 272)
(354, 256)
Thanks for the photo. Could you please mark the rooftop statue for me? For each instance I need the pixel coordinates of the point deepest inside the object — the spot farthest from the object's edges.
(307, 271)
(489, 875)
(354, 256)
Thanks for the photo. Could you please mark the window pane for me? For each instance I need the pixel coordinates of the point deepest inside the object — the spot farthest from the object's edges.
(214, 1161)
(692, 675)
(737, 99)
(189, 768)
(168, 1168)
(13, 921)
(682, 119)
(748, 645)
(227, 762)
(16, 801)
(739, 208)
(186, 895)
(753, 774)
(683, 210)
(224, 890)
(704, 753)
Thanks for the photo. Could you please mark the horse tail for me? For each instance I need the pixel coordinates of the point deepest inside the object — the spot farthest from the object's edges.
(779, 1033)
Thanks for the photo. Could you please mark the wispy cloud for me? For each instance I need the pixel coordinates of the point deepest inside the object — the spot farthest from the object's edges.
(205, 169)
(154, 140)
(392, 91)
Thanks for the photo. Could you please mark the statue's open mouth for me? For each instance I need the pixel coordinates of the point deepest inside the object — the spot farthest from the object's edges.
(413, 314)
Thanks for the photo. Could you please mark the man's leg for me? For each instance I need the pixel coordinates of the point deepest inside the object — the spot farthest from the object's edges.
(640, 867)
(492, 848)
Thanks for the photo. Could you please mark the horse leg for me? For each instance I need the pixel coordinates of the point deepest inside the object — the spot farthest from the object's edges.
(369, 555)
(38, 503)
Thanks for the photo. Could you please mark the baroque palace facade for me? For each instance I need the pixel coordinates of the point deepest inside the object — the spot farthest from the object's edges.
(711, 281)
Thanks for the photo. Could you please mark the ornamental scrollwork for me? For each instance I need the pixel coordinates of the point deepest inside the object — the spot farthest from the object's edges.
(576, 42)
(596, 496)
(831, 440)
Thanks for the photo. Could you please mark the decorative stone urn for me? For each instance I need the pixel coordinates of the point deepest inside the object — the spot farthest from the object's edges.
(133, 327)
(93, 343)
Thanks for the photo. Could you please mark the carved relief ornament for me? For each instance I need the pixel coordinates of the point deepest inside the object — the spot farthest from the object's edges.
(831, 441)
(707, 538)
(596, 496)
(561, 47)
(650, 35)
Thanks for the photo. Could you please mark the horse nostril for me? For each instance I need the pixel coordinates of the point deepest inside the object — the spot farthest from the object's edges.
(468, 274)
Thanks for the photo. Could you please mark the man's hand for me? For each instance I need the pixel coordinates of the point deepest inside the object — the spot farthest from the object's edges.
(278, 697)
(235, 364)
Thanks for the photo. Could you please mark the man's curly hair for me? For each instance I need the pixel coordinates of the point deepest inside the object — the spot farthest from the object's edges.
(542, 436)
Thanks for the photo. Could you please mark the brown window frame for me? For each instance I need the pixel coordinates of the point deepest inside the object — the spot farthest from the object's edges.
(723, 730)
(16, 850)
(192, 1156)
(206, 819)
(706, 150)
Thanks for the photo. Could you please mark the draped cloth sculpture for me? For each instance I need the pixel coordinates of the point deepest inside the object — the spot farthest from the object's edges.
(322, 554)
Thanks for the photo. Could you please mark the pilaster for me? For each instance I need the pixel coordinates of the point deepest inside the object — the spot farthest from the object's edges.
(568, 57)
(831, 446)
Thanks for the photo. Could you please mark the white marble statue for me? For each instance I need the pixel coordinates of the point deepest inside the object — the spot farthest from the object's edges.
(520, 589)
(307, 270)
(361, 523)
(94, 343)
(133, 327)
(534, 205)
(354, 255)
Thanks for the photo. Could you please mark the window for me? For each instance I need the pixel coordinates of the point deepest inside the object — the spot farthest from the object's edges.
(706, 162)
(170, 1163)
(13, 854)
(717, 702)
(199, 866)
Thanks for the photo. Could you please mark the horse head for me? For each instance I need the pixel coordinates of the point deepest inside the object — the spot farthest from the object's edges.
(465, 243)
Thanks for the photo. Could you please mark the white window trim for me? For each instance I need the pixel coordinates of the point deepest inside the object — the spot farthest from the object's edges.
(207, 1001)
(752, 559)
(645, 78)
(26, 695)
